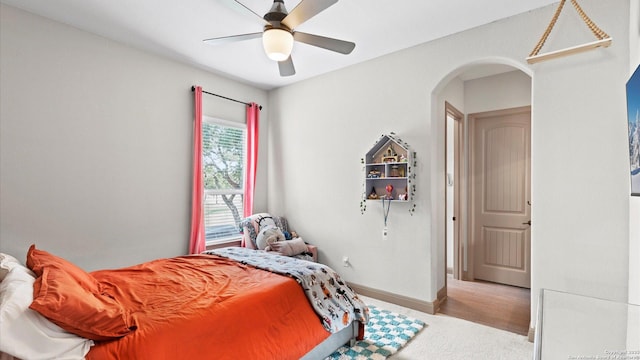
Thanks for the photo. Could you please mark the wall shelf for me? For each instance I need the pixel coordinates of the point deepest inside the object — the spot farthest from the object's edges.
(390, 162)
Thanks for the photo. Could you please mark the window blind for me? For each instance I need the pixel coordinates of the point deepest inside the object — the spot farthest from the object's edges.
(223, 155)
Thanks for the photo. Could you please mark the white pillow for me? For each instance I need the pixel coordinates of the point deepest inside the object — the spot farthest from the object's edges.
(8, 262)
(27, 334)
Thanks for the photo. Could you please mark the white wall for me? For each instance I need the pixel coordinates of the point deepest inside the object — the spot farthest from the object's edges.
(634, 202)
(580, 175)
(322, 127)
(95, 144)
(503, 91)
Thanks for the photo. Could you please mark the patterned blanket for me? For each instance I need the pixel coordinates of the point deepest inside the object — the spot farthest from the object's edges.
(332, 299)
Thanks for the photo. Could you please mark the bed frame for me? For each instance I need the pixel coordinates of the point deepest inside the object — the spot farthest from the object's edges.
(348, 336)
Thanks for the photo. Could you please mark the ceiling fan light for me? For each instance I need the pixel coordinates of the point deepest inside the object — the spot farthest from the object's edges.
(277, 44)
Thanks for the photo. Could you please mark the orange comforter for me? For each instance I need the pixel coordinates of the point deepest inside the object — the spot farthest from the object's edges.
(208, 307)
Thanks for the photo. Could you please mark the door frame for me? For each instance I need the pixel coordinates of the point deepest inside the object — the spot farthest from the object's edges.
(458, 187)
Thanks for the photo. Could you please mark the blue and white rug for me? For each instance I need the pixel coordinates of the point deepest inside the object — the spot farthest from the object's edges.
(384, 335)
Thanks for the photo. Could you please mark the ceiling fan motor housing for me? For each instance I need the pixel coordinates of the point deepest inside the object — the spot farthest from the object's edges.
(277, 12)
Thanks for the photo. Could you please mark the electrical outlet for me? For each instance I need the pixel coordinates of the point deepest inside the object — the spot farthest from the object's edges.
(345, 261)
(385, 233)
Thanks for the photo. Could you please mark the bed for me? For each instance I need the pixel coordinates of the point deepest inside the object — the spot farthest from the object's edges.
(232, 303)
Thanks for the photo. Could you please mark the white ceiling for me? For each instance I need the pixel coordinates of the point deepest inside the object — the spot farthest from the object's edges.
(176, 28)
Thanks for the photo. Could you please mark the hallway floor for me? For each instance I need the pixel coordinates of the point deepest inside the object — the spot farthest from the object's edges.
(500, 306)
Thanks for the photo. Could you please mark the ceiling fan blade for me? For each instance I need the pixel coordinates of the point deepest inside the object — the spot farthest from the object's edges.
(286, 67)
(340, 46)
(305, 10)
(242, 8)
(232, 38)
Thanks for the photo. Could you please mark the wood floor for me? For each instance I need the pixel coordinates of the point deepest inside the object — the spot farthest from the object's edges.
(499, 306)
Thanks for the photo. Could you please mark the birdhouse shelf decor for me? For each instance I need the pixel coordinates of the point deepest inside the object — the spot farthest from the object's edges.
(389, 173)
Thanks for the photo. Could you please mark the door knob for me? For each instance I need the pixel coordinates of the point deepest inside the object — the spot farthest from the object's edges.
(527, 223)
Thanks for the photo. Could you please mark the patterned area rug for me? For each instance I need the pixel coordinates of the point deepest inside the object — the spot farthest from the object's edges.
(384, 335)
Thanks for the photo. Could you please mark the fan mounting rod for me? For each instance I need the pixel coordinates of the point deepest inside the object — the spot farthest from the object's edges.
(277, 13)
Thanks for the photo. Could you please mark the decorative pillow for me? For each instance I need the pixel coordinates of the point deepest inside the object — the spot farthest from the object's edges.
(282, 223)
(268, 235)
(290, 247)
(27, 334)
(72, 299)
(251, 227)
(8, 262)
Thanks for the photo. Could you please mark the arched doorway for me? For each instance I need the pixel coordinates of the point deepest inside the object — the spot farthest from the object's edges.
(475, 89)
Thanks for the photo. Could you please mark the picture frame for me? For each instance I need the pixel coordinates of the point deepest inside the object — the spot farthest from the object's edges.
(633, 118)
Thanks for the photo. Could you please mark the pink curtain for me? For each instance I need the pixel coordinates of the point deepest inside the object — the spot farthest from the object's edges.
(197, 240)
(253, 116)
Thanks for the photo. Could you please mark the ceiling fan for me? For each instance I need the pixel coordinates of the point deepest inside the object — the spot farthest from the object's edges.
(278, 33)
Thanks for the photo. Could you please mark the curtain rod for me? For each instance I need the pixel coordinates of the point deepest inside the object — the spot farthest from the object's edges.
(193, 88)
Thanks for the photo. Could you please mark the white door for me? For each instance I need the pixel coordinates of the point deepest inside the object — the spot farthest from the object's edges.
(500, 194)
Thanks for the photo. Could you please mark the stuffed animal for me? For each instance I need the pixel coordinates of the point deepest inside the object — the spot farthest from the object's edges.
(289, 247)
(268, 235)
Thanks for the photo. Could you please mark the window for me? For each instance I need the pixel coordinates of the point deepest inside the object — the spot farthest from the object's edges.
(223, 161)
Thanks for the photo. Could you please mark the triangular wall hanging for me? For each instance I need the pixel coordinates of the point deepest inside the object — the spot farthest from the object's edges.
(604, 40)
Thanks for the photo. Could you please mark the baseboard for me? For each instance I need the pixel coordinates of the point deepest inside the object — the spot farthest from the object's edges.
(408, 302)
(532, 334)
(442, 296)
